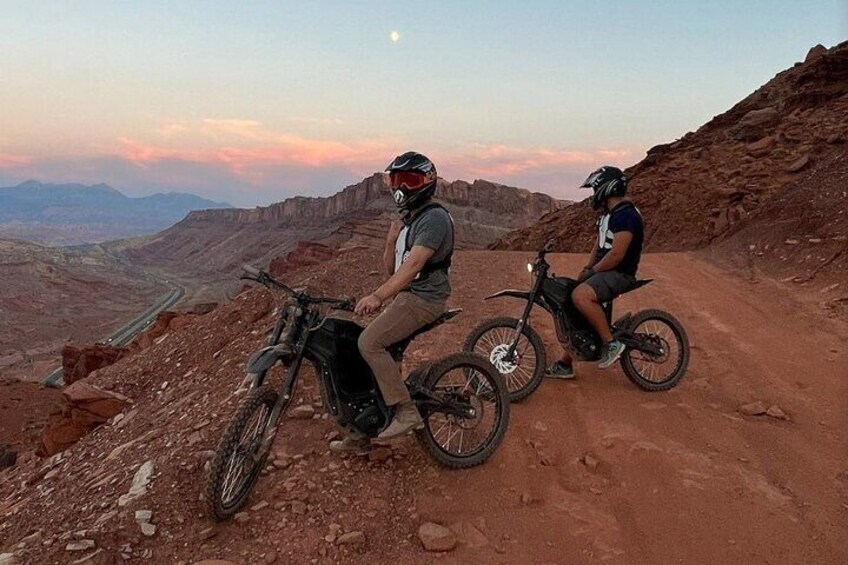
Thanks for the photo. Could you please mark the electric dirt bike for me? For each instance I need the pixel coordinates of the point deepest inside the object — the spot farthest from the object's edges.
(462, 397)
(655, 359)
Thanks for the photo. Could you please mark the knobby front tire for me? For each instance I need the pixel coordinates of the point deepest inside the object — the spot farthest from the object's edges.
(492, 339)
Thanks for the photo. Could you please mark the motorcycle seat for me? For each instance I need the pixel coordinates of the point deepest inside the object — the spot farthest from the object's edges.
(398, 348)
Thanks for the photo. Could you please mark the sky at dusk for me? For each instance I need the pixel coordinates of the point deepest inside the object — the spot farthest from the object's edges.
(253, 102)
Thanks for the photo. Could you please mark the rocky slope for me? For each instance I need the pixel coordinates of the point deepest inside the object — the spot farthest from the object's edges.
(704, 186)
(799, 236)
(211, 245)
(51, 295)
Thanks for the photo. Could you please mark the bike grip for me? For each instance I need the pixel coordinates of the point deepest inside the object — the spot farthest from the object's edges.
(251, 270)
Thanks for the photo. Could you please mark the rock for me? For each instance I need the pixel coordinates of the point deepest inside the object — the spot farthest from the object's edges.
(214, 562)
(8, 457)
(527, 498)
(469, 535)
(207, 533)
(761, 147)
(270, 557)
(436, 538)
(80, 545)
(261, 505)
(203, 308)
(139, 485)
(351, 538)
(78, 363)
(799, 164)
(302, 412)
(241, 518)
(753, 409)
(776, 412)
(815, 53)
(148, 530)
(590, 461)
(143, 516)
(86, 407)
(540, 427)
(8, 559)
(298, 507)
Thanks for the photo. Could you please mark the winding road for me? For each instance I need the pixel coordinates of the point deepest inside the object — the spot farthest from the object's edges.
(128, 332)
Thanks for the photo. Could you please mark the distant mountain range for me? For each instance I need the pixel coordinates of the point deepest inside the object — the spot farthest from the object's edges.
(70, 214)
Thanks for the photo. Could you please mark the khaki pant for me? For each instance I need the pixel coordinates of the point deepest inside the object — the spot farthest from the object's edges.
(399, 320)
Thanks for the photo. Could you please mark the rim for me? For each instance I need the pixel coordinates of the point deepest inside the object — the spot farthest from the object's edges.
(653, 368)
(243, 462)
(517, 372)
(464, 437)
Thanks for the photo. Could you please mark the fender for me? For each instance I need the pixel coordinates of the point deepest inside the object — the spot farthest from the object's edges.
(510, 293)
(266, 357)
(523, 295)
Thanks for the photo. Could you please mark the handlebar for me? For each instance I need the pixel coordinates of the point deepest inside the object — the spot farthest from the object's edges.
(265, 278)
(549, 246)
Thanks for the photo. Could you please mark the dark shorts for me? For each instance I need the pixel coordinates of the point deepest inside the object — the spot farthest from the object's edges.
(609, 284)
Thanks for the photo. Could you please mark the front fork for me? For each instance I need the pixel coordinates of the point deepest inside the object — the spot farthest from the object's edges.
(283, 400)
(525, 317)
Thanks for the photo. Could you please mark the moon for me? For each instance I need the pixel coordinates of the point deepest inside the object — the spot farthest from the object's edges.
(394, 36)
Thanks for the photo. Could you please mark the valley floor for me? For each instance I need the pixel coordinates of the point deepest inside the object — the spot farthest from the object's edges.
(682, 476)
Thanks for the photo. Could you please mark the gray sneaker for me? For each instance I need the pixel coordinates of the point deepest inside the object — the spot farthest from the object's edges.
(561, 371)
(406, 419)
(612, 352)
(348, 444)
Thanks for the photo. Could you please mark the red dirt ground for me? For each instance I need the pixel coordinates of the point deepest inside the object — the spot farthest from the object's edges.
(682, 476)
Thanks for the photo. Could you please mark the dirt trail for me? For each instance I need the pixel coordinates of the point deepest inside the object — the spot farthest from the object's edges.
(683, 477)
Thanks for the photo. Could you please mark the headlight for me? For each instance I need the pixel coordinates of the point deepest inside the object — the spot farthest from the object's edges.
(529, 267)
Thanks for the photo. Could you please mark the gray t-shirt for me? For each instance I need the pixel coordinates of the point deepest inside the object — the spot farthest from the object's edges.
(432, 229)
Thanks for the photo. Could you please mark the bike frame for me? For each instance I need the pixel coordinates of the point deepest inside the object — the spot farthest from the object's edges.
(535, 297)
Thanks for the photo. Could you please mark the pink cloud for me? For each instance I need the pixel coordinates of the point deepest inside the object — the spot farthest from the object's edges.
(9, 160)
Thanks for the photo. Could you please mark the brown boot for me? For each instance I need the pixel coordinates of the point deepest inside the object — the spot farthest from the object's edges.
(406, 419)
(350, 444)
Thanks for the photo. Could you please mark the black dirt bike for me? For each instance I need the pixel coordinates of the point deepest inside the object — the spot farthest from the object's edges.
(657, 350)
(462, 397)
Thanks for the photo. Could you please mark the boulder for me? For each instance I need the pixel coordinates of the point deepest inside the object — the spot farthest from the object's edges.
(799, 164)
(435, 537)
(761, 147)
(204, 308)
(78, 363)
(815, 53)
(753, 409)
(86, 407)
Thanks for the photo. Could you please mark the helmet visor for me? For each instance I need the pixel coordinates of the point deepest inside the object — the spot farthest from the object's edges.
(591, 180)
(409, 180)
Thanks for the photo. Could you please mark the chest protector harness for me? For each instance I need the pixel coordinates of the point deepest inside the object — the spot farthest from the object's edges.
(403, 247)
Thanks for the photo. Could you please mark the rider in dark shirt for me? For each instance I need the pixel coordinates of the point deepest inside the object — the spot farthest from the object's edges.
(611, 270)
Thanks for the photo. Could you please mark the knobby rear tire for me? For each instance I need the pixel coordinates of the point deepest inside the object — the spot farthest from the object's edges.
(484, 367)
(256, 398)
(519, 393)
(683, 341)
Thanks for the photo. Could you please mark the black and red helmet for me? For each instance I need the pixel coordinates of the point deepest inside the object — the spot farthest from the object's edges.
(605, 183)
(412, 178)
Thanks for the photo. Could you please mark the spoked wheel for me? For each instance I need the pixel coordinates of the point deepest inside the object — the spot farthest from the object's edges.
(473, 412)
(656, 371)
(239, 457)
(522, 372)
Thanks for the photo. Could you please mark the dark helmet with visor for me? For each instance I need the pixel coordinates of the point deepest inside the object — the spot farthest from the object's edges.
(605, 183)
(412, 177)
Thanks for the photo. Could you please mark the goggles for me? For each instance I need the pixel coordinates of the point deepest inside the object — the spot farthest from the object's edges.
(407, 179)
